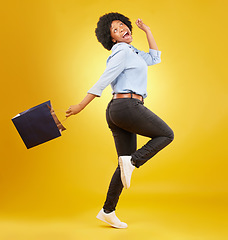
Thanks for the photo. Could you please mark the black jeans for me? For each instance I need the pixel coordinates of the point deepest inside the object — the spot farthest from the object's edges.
(127, 117)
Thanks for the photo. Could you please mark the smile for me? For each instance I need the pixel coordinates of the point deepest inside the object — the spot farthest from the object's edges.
(126, 35)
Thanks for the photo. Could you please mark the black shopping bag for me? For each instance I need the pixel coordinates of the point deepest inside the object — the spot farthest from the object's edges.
(38, 125)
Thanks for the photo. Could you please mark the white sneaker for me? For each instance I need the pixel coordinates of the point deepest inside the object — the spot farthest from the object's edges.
(111, 219)
(126, 168)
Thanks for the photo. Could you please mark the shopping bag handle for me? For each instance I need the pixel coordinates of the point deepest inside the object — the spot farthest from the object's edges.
(58, 123)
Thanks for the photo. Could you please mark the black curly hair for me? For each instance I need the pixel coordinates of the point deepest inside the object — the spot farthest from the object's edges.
(103, 28)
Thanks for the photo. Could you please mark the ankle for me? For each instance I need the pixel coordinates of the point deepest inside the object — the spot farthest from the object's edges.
(132, 162)
(107, 211)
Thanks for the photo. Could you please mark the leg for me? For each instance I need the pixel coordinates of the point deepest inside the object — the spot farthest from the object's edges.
(155, 128)
(140, 120)
(125, 143)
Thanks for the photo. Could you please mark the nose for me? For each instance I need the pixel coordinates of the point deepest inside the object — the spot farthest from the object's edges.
(121, 29)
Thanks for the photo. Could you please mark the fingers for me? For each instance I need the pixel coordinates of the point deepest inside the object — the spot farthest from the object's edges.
(73, 109)
(142, 25)
(68, 115)
(68, 112)
(139, 21)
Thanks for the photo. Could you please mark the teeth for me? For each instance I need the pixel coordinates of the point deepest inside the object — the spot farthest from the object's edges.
(124, 34)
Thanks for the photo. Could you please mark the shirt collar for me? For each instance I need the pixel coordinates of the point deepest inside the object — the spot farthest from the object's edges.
(118, 44)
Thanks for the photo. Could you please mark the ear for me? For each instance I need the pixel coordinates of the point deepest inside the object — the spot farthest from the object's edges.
(114, 40)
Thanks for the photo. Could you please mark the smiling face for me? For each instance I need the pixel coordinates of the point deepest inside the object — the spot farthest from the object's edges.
(120, 32)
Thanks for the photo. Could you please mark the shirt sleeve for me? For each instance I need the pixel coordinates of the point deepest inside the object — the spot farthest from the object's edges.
(115, 65)
(151, 58)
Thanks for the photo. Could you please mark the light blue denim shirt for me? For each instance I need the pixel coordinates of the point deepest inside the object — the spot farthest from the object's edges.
(126, 70)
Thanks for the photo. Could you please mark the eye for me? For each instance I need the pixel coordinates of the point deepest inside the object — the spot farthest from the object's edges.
(121, 24)
(115, 30)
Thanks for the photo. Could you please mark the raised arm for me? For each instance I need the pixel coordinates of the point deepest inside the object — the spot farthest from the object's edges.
(74, 109)
(146, 29)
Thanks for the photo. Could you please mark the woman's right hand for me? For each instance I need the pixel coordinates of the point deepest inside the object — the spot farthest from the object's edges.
(74, 109)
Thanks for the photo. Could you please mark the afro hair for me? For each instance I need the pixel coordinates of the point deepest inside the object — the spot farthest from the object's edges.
(103, 28)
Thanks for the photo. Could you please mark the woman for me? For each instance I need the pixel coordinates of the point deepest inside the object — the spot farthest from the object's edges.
(126, 114)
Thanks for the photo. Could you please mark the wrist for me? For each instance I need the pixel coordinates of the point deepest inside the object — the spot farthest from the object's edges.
(147, 30)
(81, 106)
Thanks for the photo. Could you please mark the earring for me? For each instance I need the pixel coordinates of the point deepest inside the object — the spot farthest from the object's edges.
(114, 41)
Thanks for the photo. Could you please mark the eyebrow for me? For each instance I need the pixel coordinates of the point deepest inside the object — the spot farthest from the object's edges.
(118, 22)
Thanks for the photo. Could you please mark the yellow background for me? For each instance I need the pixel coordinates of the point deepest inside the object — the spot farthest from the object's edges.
(54, 191)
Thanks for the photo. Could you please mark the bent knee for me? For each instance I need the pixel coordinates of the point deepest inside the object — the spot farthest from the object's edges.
(171, 135)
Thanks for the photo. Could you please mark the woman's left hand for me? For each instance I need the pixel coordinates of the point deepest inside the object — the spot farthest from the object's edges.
(142, 25)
